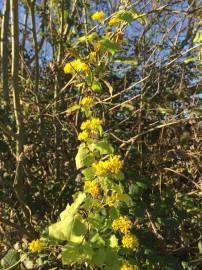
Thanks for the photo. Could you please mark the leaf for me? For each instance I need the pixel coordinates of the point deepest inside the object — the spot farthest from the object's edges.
(89, 173)
(125, 198)
(104, 147)
(190, 59)
(63, 229)
(112, 262)
(74, 253)
(79, 228)
(96, 86)
(73, 108)
(97, 239)
(113, 241)
(130, 15)
(125, 16)
(110, 46)
(198, 37)
(10, 259)
(99, 257)
(82, 156)
(140, 17)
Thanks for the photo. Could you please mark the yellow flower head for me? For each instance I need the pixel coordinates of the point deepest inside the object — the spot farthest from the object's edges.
(86, 101)
(127, 266)
(130, 241)
(114, 21)
(36, 245)
(93, 124)
(83, 136)
(122, 224)
(97, 46)
(68, 68)
(112, 165)
(75, 66)
(92, 56)
(115, 163)
(98, 16)
(92, 187)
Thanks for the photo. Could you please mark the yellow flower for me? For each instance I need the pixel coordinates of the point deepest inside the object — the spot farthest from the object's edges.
(112, 165)
(97, 46)
(68, 69)
(86, 101)
(98, 16)
(127, 266)
(92, 124)
(114, 20)
(92, 56)
(83, 136)
(75, 66)
(130, 241)
(92, 187)
(115, 164)
(80, 66)
(122, 224)
(36, 245)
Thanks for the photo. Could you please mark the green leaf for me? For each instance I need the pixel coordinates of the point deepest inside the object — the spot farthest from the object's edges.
(104, 147)
(99, 257)
(97, 239)
(113, 241)
(11, 258)
(110, 46)
(83, 157)
(89, 173)
(79, 228)
(190, 59)
(96, 86)
(74, 253)
(140, 17)
(125, 198)
(111, 261)
(198, 37)
(73, 108)
(63, 229)
(125, 16)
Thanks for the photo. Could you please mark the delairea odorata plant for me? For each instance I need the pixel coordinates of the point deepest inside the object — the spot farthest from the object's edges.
(93, 230)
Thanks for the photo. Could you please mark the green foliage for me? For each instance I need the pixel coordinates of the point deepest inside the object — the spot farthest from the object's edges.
(69, 226)
(10, 260)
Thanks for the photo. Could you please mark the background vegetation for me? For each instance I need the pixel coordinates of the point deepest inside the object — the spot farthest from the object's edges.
(149, 97)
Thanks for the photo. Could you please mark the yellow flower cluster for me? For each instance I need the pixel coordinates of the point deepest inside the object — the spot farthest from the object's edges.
(129, 240)
(36, 245)
(122, 224)
(86, 101)
(92, 187)
(98, 16)
(127, 266)
(92, 56)
(114, 21)
(83, 136)
(112, 165)
(75, 66)
(92, 124)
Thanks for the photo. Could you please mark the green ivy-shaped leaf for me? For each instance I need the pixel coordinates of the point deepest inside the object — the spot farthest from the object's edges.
(63, 229)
